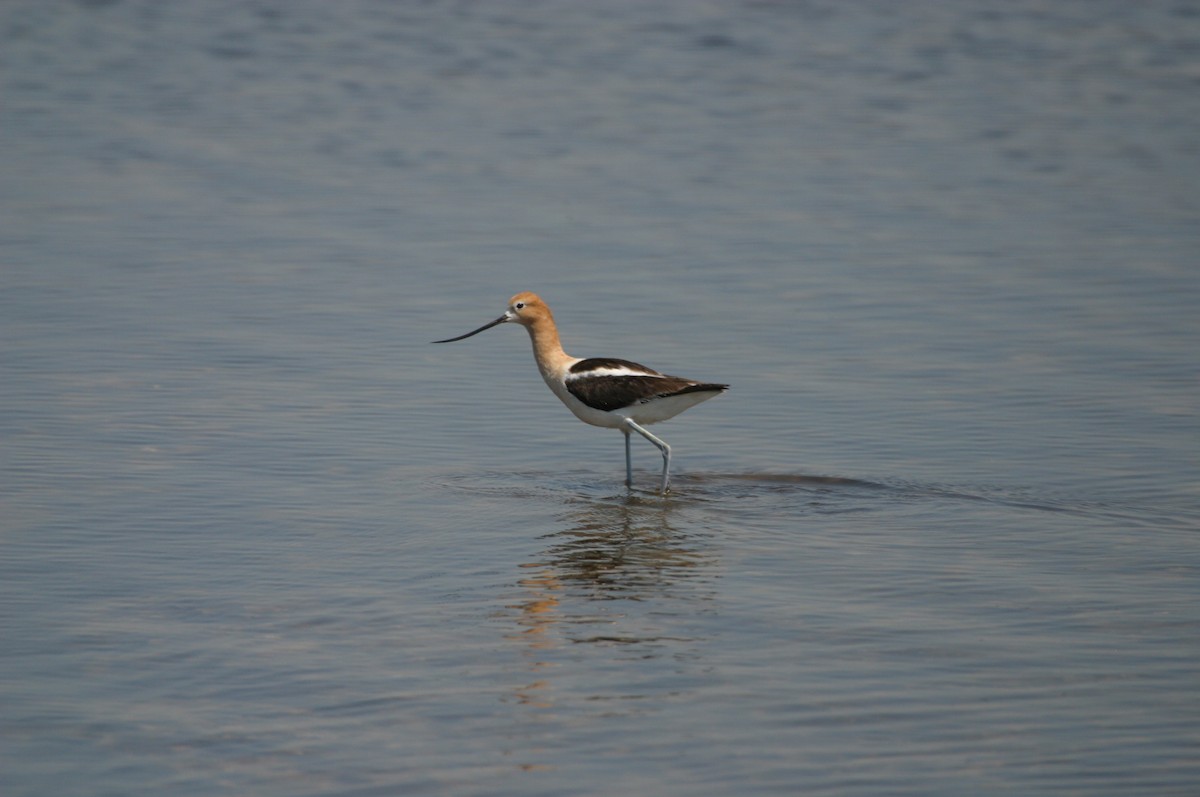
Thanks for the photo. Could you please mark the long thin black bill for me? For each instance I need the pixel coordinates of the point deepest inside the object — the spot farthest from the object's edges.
(489, 325)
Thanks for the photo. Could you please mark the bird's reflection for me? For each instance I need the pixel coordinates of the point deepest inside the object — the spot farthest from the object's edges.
(624, 550)
(606, 581)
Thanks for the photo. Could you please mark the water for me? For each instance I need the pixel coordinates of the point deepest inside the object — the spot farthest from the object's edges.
(259, 537)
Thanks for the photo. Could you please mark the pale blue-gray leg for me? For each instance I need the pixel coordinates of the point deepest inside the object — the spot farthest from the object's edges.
(628, 460)
(663, 447)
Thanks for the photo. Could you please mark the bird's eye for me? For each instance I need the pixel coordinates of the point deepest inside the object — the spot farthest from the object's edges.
(519, 306)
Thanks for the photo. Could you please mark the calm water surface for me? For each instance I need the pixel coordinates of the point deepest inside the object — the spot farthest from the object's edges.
(258, 537)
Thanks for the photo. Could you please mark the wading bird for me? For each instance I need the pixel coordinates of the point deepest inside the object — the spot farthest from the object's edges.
(603, 391)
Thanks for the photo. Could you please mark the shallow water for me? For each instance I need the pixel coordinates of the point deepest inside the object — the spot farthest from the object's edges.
(258, 536)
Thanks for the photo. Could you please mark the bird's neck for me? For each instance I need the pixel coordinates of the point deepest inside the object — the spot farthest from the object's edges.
(547, 350)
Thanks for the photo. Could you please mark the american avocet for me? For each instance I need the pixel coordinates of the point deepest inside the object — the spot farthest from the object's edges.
(603, 391)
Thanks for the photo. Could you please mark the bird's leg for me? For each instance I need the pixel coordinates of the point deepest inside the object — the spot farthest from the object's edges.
(628, 460)
(662, 446)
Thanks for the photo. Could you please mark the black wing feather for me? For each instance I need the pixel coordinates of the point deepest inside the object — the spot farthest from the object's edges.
(608, 393)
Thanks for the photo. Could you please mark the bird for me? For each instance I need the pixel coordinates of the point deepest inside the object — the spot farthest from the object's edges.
(603, 391)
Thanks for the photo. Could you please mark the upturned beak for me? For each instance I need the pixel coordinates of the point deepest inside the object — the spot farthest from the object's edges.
(488, 325)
